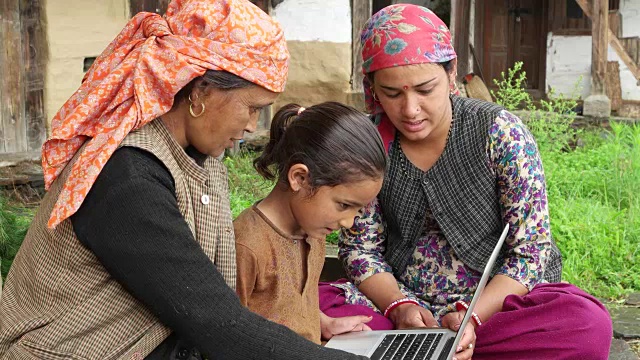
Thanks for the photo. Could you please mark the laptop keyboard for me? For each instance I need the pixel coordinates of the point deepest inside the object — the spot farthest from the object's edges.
(411, 347)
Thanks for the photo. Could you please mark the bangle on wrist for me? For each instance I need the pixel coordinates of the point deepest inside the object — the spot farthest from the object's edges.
(461, 305)
(397, 303)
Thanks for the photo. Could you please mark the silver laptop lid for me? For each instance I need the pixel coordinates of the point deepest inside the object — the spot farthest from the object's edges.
(486, 274)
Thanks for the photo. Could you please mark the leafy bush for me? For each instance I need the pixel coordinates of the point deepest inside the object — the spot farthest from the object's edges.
(511, 91)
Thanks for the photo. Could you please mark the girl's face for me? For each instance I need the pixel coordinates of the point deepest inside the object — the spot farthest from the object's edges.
(415, 97)
(331, 207)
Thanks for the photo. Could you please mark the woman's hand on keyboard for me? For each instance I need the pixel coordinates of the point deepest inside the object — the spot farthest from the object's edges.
(468, 343)
(407, 316)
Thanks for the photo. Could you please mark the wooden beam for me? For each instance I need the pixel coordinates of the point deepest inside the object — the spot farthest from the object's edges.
(35, 52)
(614, 91)
(12, 126)
(615, 43)
(360, 13)
(600, 46)
(462, 15)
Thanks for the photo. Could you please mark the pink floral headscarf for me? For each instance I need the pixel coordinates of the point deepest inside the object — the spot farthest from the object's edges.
(398, 35)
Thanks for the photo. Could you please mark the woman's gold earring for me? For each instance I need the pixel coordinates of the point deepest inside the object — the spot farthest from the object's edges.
(194, 114)
(191, 107)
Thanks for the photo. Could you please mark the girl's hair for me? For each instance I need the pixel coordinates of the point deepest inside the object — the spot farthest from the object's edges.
(219, 79)
(336, 142)
(447, 66)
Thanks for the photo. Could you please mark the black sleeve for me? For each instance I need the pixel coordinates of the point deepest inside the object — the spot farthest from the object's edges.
(130, 220)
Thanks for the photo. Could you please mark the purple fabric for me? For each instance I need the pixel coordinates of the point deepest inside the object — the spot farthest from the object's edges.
(332, 303)
(553, 321)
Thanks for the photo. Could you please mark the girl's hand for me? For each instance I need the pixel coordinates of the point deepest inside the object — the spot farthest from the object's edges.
(335, 326)
(467, 344)
(407, 316)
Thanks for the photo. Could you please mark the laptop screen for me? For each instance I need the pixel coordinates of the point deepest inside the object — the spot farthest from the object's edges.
(486, 274)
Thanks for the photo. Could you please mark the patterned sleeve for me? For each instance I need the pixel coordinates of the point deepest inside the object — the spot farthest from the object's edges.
(514, 156)
(362, 246)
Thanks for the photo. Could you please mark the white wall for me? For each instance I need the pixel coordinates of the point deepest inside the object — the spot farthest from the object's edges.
(315, 20)
(630, 10)
(318, 34)
(569, 57)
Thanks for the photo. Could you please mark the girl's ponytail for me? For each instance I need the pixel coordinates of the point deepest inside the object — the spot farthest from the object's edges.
(337, 143)
(271, 154)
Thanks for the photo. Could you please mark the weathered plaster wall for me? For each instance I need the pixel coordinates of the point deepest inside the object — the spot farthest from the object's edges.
(569, 57)
(630, 10)
(315, 20)
(318, 34)
(77, 29)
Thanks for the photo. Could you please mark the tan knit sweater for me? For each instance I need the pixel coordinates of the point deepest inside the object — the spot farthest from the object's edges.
(278, 274)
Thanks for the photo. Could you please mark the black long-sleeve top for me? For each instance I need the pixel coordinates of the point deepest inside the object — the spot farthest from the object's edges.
(131, 221)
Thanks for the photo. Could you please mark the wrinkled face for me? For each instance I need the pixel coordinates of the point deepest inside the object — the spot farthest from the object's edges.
(227, 115)
(330, 208)
(415, 97)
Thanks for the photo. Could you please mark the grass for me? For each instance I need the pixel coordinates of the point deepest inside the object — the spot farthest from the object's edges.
(246, 186)
(14, 222)
(593, 201)
(595, 210)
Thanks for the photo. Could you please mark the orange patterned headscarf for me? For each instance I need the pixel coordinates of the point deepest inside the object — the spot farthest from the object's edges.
(136, 78)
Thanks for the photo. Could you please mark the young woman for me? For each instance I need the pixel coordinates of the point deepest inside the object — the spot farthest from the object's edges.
(459, 170)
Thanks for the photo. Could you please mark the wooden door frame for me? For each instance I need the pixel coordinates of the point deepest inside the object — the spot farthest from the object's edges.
(479, 46)
(461, 11)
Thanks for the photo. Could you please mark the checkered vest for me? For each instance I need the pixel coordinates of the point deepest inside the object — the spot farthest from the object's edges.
(59, 301)
(460, 190)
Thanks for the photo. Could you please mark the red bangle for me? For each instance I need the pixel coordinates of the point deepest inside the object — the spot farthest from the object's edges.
(397, 303)
(461, 305)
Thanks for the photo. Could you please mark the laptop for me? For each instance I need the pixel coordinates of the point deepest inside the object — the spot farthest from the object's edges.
(415, 344)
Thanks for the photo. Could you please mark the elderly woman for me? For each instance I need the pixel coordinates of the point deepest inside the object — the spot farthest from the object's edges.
(131, 254)
(460, 169)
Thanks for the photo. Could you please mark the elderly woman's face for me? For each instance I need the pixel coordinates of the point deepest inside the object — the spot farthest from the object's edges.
(415, 97)
(227, 115)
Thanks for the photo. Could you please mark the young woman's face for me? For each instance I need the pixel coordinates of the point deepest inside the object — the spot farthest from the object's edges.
(415, 97)
(332, 207)
(227, 115)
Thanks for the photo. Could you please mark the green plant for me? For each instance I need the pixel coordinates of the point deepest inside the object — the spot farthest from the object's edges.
(595, 210)
(592, 189)
(511, 93)
(551, 120)
(246, 186)
(14, 223)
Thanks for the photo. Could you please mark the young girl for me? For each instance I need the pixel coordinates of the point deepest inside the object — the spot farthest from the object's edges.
(329, 162)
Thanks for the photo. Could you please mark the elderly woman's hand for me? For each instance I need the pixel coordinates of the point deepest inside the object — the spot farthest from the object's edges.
(330, 326)
(467, 344)
(409, 315)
